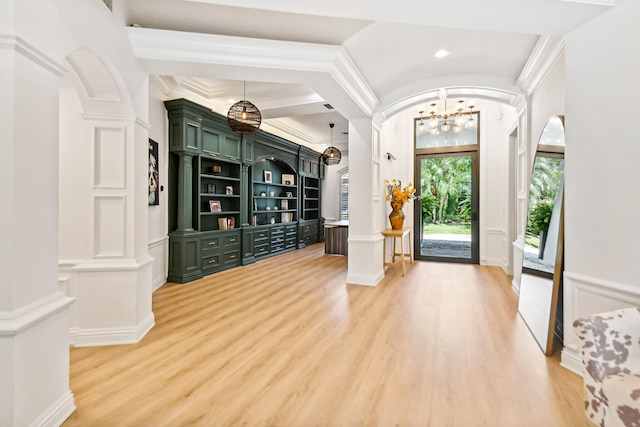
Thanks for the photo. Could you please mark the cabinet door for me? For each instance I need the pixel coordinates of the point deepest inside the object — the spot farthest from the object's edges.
(185, 135)
(230, 147)
(211, 140)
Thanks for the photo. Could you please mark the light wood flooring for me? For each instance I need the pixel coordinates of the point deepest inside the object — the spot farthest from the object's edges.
(285, 342)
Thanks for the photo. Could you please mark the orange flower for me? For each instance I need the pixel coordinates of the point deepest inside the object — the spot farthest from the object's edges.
(398, 194)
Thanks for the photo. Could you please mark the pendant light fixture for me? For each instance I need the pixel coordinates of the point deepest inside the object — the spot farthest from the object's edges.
(421, 125)
(243, 116)
(331, 155)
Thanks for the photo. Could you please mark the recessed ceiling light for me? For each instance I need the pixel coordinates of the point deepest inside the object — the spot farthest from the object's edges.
(442, 53)
(231, 101)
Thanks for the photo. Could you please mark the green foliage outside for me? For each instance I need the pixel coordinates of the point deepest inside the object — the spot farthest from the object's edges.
(539, 217)
(546, 179)
(446, 190)
(447, 228)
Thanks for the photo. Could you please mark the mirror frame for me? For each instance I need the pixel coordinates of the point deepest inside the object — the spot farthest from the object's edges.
(548, 346)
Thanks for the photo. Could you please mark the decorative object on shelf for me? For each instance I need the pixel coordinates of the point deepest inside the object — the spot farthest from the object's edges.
(272, 220)
(154, 175)
(229, 190)
(284, 204)
(275, 208)
(244, 117)
(215, 206)
(263, 194)
(272, 193)
(255, 221)
(288, 194)
(288, 179)
(222, 223)
(331, 156)
(268, 177)
(216, 169)
(231, 222)
(268, 208)
(398, 196)
(211, 188)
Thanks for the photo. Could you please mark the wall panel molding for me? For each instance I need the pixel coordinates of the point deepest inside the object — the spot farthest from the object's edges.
(110, 158)
(109, 239)
(583, 296)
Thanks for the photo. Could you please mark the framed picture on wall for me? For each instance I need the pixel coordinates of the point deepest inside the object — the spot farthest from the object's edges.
(268, 177)
(154, 174)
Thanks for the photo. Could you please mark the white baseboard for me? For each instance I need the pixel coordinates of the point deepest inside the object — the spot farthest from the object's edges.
(571, 360)
(515, 287)
(365, 279)
(112, 336)
(57, 413)
(158, 282)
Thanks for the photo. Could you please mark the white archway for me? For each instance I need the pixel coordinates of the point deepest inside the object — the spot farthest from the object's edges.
(103, 258)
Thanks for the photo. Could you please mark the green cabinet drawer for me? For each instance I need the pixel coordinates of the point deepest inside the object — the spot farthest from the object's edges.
(210, 264)
(231, 239)
(231, 257)
(210, 243)
(261, 250)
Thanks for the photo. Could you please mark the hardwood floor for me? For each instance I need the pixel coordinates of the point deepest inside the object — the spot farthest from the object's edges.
(284, 342)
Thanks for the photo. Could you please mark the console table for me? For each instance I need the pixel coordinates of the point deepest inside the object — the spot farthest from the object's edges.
(397, 234)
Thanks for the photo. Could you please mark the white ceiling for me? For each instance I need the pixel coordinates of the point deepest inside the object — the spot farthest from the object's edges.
(391, 45)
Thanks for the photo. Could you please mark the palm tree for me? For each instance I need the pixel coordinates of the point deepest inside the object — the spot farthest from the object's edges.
(446, 185)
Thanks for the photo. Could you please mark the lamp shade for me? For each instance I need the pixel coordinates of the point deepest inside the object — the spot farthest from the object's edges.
(244, 117)
(331, 156)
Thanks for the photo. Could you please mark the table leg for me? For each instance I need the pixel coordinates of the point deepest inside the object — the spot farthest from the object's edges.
(402, 253)
(410, 249)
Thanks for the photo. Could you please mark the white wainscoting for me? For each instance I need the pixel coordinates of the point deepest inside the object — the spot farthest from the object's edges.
(159, 250)
(495, 248)
(584, 296)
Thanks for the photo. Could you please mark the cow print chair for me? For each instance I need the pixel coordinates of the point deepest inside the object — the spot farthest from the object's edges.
(610, 347)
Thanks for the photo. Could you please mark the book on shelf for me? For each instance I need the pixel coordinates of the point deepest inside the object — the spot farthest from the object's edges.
(231, 222)
(286, 217)
(222, 223)
(284, 204)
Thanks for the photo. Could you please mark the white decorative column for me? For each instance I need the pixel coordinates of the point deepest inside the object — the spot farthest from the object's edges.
(104, 259)
(365, 241)
(34, 314)
(112, 277)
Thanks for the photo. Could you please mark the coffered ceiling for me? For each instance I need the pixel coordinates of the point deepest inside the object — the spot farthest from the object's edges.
(388, 48)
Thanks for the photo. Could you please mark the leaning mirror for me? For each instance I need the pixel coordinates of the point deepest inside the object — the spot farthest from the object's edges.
(543, 247)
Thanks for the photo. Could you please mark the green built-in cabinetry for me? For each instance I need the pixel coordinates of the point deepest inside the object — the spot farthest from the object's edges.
(234, 199)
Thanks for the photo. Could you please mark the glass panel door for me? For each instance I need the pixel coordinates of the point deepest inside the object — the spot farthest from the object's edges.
(447, 209)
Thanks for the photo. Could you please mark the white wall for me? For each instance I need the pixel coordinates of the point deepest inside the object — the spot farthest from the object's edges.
(602, 208)
(547, 100)
(330, 207)
(158, 215)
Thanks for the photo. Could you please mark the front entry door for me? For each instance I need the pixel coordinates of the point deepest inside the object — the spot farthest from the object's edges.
(446, 216)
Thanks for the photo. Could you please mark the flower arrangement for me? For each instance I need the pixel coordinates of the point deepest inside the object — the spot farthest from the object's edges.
(396, 193)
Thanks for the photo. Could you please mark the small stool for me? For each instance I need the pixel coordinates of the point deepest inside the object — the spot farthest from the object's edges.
(395, 234)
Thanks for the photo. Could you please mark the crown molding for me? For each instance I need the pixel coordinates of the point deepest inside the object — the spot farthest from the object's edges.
(28, 51)
(545, 55)
(304, 62)
(162, 83)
